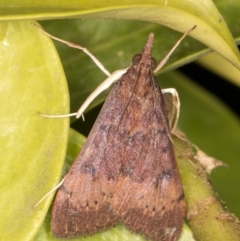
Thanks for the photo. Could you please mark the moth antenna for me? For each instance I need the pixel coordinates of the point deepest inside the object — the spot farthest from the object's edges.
(76, 46)
(163, 62)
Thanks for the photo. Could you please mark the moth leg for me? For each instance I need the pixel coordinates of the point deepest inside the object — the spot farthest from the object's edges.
(103, 86)
(76, 46)
(173, 120)
(112, 78)
(49, 193)
(58, 116)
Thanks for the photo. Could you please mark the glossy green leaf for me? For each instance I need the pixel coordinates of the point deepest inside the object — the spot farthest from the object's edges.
(218, 65)
(33, 147)
(230, 11)
(179, 15)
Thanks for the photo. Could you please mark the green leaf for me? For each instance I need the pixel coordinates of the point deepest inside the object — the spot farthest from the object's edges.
(179, 15)
(221, 67)
(33, 147)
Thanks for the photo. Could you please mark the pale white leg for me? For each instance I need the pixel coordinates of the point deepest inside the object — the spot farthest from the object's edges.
(174, 117)
(112, 78)
(176, 107)
(103, 86)
(58, 116)
(49, 193)
(117, 75)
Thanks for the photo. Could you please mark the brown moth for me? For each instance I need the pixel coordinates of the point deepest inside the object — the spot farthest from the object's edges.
(127, 170)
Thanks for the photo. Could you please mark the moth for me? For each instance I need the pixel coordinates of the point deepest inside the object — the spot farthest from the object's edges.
(126, 171)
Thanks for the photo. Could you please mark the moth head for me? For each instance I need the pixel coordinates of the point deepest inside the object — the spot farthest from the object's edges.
(137, 58)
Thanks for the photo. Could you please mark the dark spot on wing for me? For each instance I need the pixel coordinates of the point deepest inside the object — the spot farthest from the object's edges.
(163, 131)
(103, 127)
(181, 197)
(123, 134)
(164, 149)
(137, 137)
(167, 174)
(88, 168)
(126, 171)
(65, 190)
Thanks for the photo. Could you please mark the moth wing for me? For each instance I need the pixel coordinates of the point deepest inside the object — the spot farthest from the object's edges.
(83, 203)
(157, 218)
(149, 196)
(78, 209)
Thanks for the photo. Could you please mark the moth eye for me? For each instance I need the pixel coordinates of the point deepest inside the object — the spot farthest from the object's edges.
(136, 59)
(153, 63)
